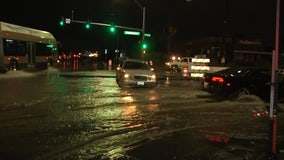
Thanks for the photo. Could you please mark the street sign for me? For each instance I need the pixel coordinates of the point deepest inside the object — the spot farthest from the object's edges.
(134, 33)
(147, 35)
(67, 20)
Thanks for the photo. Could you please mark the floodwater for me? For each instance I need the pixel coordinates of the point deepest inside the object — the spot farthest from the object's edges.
(52, 115)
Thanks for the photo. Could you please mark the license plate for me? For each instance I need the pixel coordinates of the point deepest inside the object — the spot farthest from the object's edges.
(140, 83)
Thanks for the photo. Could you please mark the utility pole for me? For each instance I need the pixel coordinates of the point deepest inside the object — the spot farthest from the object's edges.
(274, 87)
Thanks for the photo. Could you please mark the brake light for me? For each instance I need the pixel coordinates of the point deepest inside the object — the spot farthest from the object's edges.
(15, 58)
(217, 79)
(185, 69)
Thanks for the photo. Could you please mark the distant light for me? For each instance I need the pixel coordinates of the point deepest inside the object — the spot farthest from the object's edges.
(93, 54)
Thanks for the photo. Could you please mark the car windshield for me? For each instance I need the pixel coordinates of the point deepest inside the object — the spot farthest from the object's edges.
(135, 65)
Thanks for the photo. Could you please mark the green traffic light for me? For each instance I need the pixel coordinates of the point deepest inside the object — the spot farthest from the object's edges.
(112, 29)
(61, 23)
(144, 46)
(87, 26)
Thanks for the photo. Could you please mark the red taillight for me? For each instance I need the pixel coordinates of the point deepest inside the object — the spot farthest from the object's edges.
(15, 58)
(185, 69)
(217, 79)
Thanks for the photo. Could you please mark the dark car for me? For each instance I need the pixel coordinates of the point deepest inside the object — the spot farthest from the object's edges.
(236, 81)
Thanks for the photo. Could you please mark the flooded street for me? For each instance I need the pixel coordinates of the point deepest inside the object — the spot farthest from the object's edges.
(67, 115)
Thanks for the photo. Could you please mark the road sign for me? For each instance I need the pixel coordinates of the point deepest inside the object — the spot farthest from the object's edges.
(147, 35)
(67, 20)
(134, 33)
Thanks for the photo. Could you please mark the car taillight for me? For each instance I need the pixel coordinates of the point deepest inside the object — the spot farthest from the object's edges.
(185, 69)
(217, 79)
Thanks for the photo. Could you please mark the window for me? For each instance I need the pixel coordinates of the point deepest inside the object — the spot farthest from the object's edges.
(14, 47)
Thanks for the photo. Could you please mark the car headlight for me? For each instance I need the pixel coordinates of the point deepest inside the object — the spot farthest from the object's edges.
(126, 76)
(153, 77)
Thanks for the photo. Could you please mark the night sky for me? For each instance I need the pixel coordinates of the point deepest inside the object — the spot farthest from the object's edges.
(192, 19)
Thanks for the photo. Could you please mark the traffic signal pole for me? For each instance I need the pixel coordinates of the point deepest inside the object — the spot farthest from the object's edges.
(143, 23)
(104, 24)
(88, 23)
(143, 27)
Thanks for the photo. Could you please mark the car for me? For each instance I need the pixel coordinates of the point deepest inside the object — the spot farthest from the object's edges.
(135, 73)
(237, 81)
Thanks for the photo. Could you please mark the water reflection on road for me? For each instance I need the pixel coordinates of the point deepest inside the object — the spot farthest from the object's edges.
(73, 117)
(104, 118)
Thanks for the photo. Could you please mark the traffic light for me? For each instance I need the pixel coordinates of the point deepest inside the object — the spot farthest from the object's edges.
(62, 22)
(144, 46)
(144, 51)
(112, 29)
(87, 25)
